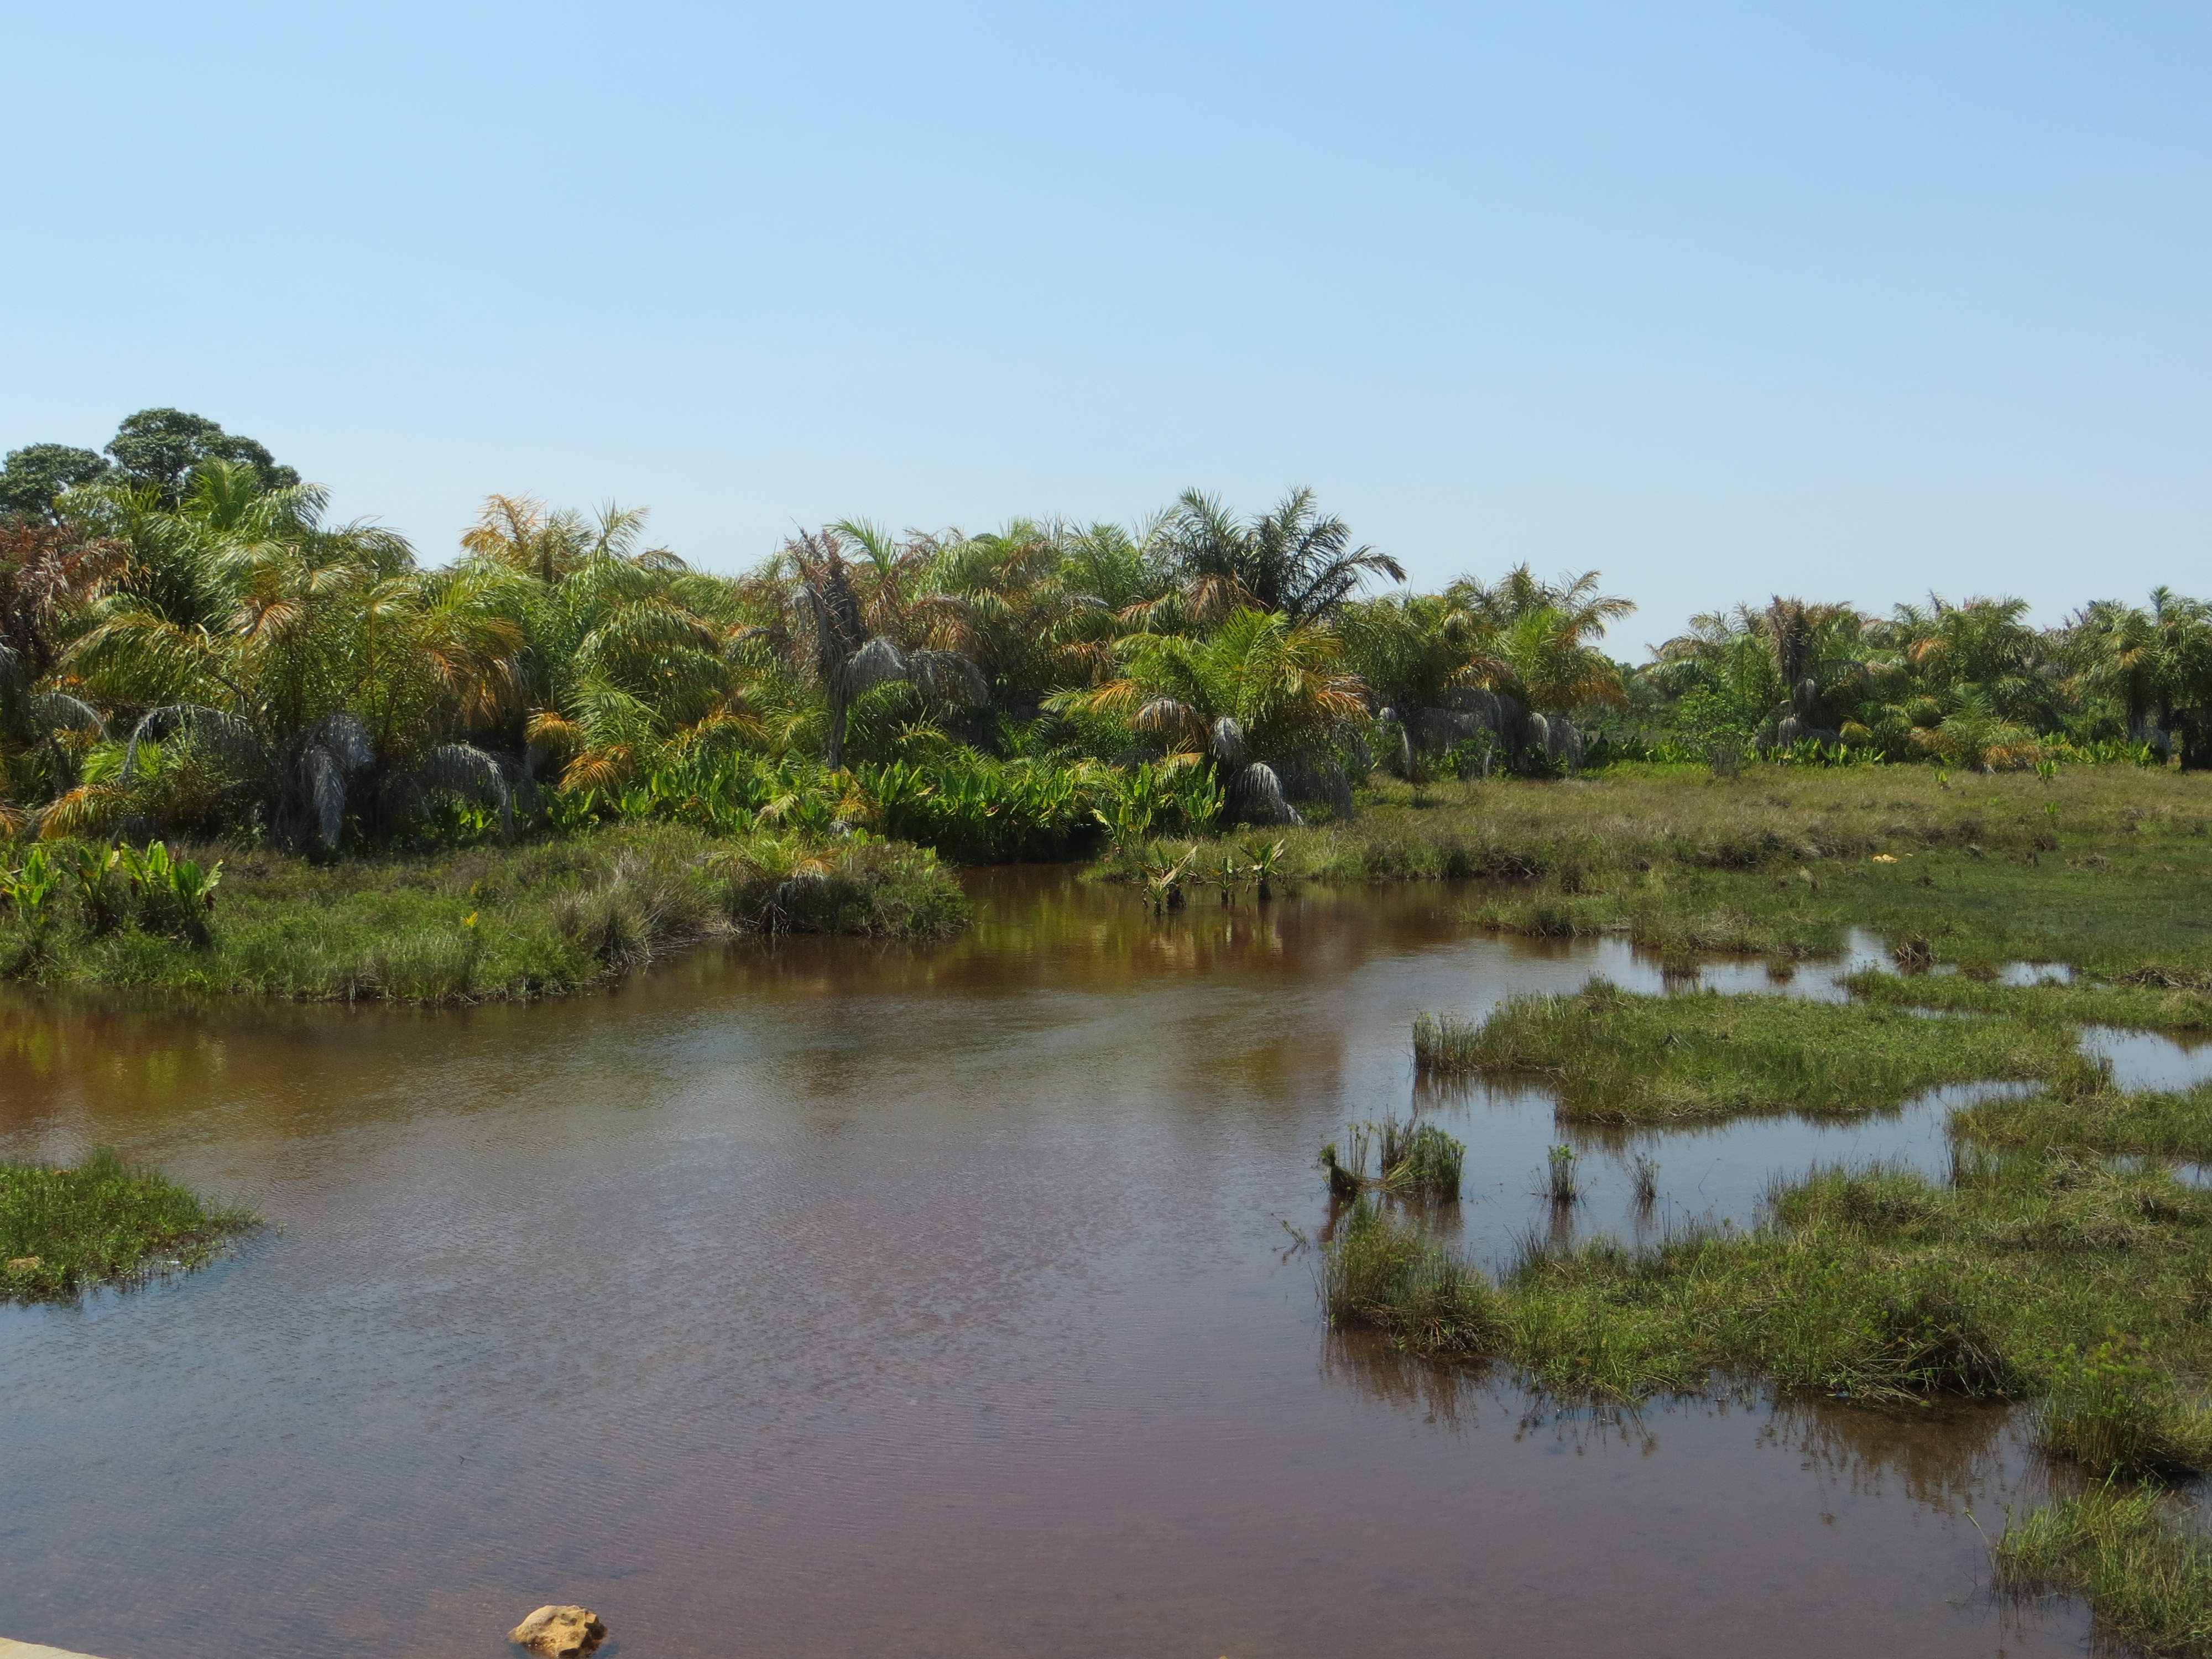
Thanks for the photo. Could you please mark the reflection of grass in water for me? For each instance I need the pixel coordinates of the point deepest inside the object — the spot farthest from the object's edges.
(2147, 1577)
(101, 1222)
(1615, 1056)
(1872, 1285)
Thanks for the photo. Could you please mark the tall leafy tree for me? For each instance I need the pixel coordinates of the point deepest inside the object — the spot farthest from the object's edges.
(34, 475)
(159, 449)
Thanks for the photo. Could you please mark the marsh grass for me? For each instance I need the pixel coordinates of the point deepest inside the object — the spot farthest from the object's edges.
(1561, 1184)
(2116, 876)
(1613, 1056)
(63, 1230)
(1643, 1177)
(1880, 1287)
(2141, 1005)
(537, 918)
(1413, 1160)
(2146, 1574)
(2113, 1410)
(2093, 1117)
(1388, 1276)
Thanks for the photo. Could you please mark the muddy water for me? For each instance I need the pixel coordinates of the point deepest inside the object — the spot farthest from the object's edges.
(839, 1300)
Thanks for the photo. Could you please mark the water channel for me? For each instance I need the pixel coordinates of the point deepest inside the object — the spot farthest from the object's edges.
(830, 1298)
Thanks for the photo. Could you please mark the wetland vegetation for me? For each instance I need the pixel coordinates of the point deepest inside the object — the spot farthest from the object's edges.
(245, 748)
(193, 654)
(101, 1222)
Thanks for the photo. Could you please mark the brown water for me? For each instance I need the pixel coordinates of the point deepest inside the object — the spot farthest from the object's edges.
(840, 1300)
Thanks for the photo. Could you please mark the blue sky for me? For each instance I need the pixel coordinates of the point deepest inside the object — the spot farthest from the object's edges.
(1846, 301)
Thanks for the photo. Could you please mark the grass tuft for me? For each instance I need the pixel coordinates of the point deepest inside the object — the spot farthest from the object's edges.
(2147, 1578)
(62, 1230)
(1386, 1275)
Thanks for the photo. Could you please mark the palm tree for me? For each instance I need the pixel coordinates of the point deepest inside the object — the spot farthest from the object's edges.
(1024, 621)
(626, 649)
(48, 572)
(1291, 562)
(1260, 696)
(859, 622)
(1427, 664)
(244, 623)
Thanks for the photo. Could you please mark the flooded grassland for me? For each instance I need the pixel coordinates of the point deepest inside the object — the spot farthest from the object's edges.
(827, 1298)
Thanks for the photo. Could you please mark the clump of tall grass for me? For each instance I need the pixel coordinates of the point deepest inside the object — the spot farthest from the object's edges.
(2150, 1007)
(2093, 1117)
(1614, 1057)
(1445, 1044)
(2146, 1578)
(1643, 1176)
(1561, 1183)
(2110, 1408)
(101, 1221)
(1417, 1160)
(1384, 1274)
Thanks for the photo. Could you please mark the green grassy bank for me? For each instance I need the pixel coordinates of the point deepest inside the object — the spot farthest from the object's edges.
(535, 919)
(101, 1222)
(2106, 867)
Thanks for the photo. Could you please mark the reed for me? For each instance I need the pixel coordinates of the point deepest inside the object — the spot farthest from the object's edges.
(1414, 1160)
(1561, 1183)
(1643, 1174)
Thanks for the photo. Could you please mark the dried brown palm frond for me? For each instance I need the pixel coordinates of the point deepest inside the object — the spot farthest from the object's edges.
(88, 810)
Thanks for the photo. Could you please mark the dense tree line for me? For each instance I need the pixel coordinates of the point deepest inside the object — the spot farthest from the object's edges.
(189, 645)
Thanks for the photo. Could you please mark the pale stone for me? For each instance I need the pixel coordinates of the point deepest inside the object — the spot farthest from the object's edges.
(559, 1633)
(32, 1651)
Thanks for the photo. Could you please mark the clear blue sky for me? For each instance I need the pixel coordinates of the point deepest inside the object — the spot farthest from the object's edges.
(1850, 301)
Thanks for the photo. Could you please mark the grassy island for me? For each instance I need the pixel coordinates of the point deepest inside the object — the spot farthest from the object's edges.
(101, 1222)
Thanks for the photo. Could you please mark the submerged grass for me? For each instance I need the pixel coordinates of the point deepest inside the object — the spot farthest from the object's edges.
(2145, 1572)
(534, 920)
(1614, 1057)
(101, 1222)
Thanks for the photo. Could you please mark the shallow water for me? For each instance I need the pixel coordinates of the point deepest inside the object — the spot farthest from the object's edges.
(832, 1300)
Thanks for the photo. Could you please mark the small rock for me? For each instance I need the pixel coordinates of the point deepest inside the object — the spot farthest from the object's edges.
(559, 1633)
